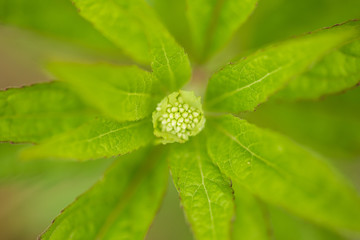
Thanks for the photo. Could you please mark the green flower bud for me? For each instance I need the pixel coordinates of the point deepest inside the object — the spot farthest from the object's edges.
(178, 117)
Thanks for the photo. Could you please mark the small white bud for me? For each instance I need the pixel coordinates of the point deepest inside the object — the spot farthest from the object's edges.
(177, 121)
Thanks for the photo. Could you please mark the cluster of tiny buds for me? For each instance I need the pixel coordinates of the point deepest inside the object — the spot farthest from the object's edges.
(179, 119)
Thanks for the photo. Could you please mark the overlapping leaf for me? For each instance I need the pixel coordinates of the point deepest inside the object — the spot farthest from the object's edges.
(123, 203)
(282, 173)
(125, 93)
(205, 194)
(96, 139)
(34, 113)
(247, 83)
(130, 192)
(212, 23)
(133, 26)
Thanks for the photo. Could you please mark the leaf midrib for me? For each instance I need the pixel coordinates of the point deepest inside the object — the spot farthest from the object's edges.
(229, 94)
(266, 162)
(112, 131)
(168, 65)
(116, 88)
(198, 158)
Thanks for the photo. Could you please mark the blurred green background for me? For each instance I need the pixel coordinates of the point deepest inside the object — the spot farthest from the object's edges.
(33, 32)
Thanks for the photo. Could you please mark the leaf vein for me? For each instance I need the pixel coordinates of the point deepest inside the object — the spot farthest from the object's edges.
(207, 194)
(233, 138)
(229, 94)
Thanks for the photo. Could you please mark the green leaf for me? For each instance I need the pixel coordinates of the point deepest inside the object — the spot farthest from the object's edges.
(205, 193)
(125, 93)
(134, 27)
(96, 139)
(34, 113)
(319, 125)
(284, 174)
(65, 24)
(257, 220)
(212, 23)
(170, 64)
(337, 71)
(119, 206)
(247, 83)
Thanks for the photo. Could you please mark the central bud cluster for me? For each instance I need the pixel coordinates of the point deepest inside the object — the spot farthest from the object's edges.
(178, 116)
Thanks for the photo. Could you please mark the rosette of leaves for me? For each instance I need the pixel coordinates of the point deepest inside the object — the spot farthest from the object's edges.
(227, 169)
